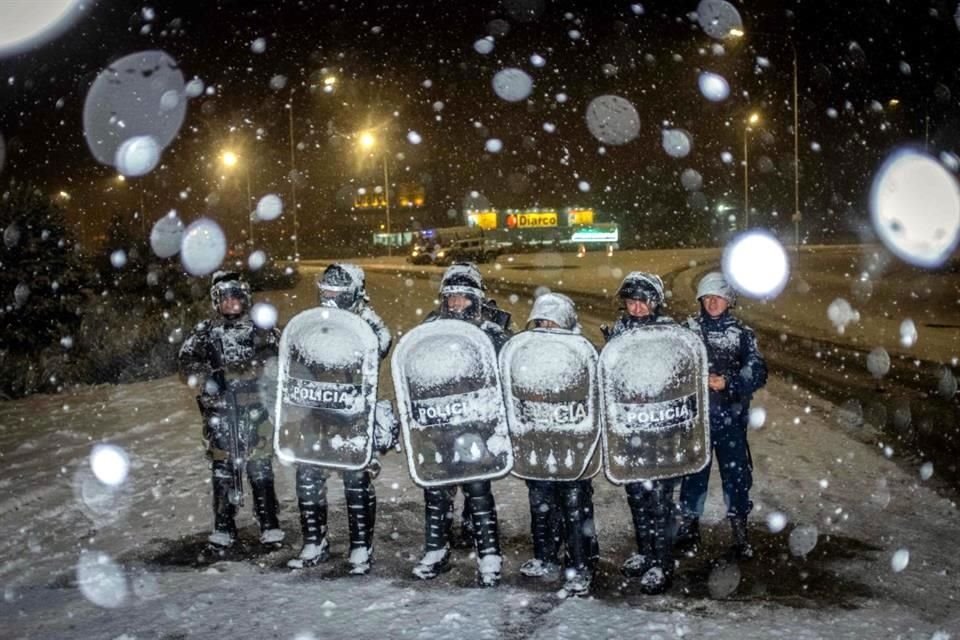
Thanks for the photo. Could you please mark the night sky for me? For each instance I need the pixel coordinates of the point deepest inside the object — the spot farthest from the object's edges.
(853, 58)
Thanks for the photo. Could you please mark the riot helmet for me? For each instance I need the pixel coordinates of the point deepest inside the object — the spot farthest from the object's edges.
(462, 292)
(554, 310)
(646, 287)
(226, 285)
(341, 285)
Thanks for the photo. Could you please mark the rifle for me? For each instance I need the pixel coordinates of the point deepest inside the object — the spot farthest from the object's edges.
(220, 378)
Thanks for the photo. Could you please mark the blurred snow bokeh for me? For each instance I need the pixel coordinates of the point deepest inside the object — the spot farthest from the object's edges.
(915, 208)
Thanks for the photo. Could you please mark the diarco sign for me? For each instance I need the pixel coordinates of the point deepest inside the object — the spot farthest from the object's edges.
(532, 219)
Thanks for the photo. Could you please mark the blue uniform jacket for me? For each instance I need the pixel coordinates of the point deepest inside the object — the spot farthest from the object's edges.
(732, 353)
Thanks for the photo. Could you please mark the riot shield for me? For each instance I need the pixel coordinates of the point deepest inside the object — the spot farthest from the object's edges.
(451, 408)
(653, 389)
(550, 392)
(326, 390)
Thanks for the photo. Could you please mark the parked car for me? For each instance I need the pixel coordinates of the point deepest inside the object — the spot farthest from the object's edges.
(422, 254)
(468, 250)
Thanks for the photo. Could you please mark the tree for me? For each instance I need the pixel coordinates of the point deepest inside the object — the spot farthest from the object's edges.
(39, 273)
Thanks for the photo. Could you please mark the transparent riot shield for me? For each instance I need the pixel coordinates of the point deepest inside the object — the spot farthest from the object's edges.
(326, 390)
(653, 389)
(451, 408)
(550, 392)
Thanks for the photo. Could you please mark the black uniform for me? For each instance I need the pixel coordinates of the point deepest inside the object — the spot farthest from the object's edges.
(343, 286)
(479, 505)
(226, 356)
(651, 503)
(561, 512)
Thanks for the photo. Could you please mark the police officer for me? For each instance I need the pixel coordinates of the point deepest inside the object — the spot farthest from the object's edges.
(343, 286)
(737, 371)
(225, 356)
(462, 297)
(651, 502)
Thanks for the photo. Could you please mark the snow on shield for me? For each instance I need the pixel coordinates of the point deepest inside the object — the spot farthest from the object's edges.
(451, 408)
(550, 391)
(326, 390)
(653, 386)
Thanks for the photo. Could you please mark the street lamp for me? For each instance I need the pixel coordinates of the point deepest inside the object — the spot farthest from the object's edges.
(368, 142)
(752, 119)
(737, 34)
(230, 160)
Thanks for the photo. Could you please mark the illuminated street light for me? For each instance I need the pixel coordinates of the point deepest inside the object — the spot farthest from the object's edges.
(751, 120)
(736, 33)
(230, 160)
(367, 142)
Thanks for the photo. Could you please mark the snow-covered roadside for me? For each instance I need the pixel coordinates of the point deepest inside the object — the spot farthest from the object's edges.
(807, 468)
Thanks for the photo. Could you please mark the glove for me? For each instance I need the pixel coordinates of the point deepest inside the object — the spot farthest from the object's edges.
(373, 469)
(386, 428)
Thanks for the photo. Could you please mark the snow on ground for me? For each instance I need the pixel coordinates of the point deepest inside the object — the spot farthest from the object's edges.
(80, 560)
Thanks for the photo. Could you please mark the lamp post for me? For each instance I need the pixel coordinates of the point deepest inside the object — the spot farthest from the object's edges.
(367, 141)
(753, 118)
(737, 34)
(230, 160)
(796, 162)
(293, 181)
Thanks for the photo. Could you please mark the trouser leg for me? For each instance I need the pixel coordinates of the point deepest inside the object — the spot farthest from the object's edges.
(437, 511)
(361, 508)
(693, 492)
(265, 505)
(652, 512)
(543, 511)
(580, 535)
(224, 511)
(736, 470)
(312, 500)
(483, 514)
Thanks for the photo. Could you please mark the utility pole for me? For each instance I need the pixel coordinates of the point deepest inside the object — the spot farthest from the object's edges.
(796, 160)
(386, 202)
(293, 183)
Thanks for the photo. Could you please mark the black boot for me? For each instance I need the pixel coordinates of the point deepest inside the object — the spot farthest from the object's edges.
(265, 505)
(224, 510)
(486, 532)
(361, 509)
(687, 539)
(742, 548)
(312, 500)
(437, 514)
(543, 530)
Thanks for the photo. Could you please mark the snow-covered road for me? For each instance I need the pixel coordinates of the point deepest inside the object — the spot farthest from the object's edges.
(80, 560)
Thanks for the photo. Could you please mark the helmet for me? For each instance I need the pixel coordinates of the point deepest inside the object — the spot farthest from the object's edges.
(342, 285)
(557, 308)
(638, 285)
(462, 279)
(715, 284)
(228, 284)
